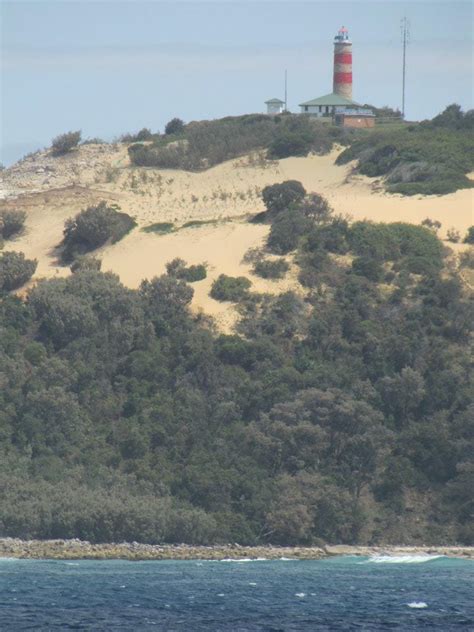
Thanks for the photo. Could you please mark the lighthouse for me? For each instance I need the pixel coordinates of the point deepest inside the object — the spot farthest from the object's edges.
(342, 78)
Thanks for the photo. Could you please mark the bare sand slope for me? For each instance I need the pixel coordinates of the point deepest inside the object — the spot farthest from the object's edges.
(221, 247)
(230, 191)
(363, 198)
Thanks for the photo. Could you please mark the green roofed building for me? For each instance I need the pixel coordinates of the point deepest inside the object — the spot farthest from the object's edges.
(344, 111)
(328, 105)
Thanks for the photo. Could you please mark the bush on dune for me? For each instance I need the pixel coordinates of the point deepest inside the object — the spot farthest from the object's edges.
(64, 143)
(227, 288)
(11, 223)
(177, 268)
(15, 270)
(92, 228)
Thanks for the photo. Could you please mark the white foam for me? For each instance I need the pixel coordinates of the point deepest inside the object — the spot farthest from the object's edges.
(401, 559)
(252, 583)
(417, 604)
(300, 595)
(241, 560)
(287, 559)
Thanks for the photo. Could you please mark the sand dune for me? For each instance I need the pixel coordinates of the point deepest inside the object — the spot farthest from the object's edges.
(230, 191)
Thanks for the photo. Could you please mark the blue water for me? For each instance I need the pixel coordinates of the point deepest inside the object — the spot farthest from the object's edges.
(344, 593)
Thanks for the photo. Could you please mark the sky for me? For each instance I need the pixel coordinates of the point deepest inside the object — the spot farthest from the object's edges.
(110, 67)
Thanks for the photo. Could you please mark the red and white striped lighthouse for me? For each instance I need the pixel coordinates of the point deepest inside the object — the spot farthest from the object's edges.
(342, 81)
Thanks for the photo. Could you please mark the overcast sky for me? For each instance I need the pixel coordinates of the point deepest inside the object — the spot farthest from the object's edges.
(110, 67)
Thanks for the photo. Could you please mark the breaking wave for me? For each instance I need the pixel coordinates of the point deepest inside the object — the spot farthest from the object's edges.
(402, 559)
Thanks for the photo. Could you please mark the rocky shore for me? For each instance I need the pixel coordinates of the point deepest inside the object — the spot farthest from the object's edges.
(78, 549)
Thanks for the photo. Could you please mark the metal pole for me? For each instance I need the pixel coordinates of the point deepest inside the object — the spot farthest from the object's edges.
(405, 34)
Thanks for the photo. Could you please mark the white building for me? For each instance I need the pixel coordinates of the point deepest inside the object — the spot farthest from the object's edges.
(275, 106)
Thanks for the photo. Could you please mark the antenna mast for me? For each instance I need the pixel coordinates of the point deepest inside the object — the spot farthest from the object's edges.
(405, 29)
(286, 91)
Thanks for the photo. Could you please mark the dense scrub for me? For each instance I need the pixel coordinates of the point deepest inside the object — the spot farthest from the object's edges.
(200, 145)
(64, 143)
(344, 416)
(92, 228)
(431, 158)
(227, 288)
(15, 270)
(11, 223)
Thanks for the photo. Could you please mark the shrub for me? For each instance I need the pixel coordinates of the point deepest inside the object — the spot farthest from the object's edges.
(86, 263)
(453, 235)
(11, 222)
(93, 227)
(466, 259)
(159, 227)
(433, 225)
(143, 135)
(288, 144)
(331, 236)
(271, 269)
(316, 207)
(227, 288)
(279, 197)
(369, 268)
(175, 126)
(64, 143)
(286, 230)
(178, 269)
(390, 242)
(15, 270)
(469, 238)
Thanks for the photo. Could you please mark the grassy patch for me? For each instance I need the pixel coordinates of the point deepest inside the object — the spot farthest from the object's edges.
(161, 228)
(196, 223)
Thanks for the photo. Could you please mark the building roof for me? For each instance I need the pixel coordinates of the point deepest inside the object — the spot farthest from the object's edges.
(330, 99)
(279, 101)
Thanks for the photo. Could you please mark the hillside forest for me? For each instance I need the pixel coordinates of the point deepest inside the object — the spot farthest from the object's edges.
(338, 413)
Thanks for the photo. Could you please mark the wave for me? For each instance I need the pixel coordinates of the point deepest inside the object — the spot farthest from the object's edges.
(417, 604)
(241, 560)
(402, 559)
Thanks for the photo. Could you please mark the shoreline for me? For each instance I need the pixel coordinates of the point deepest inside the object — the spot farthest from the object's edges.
(82, 550)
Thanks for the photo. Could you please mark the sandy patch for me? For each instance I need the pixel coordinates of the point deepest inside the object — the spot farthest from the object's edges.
(221, 247)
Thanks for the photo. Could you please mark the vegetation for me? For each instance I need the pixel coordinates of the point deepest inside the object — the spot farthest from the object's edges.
(64, 143)
(206, 143)
(431, 158)
(92, 228)
(345, 416)
(196, 223)
(271, 268)
(11, 222)
(469, 238)
(175, 126)
(141, 136)
(15, 270)
(86, 263)
(227, 288)
(280, 197)
(179, 270)
(159, 227)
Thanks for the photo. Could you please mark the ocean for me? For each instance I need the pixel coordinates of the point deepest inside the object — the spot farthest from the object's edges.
(415, 592)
